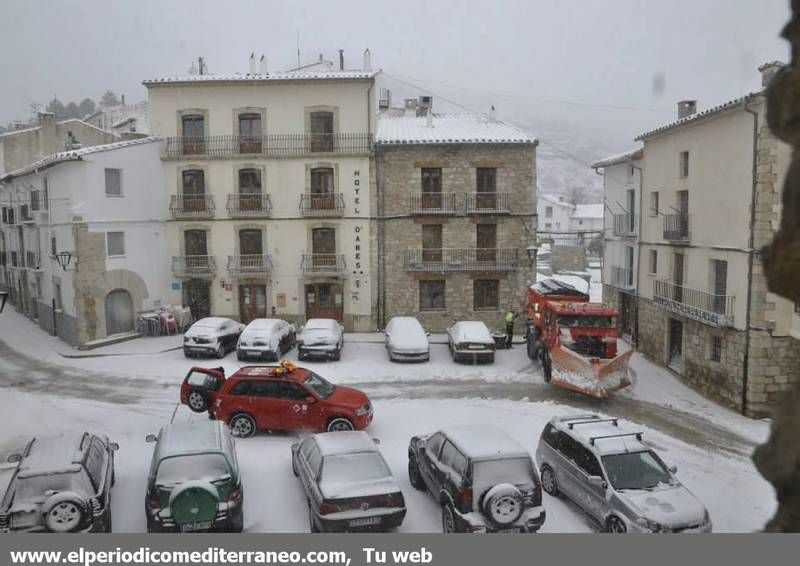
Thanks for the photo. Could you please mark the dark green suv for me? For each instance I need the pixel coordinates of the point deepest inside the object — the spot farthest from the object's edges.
(194, 483)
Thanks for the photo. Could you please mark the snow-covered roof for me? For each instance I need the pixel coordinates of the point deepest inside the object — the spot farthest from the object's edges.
(124, 121)
(191, 438)
(74, 155)
(298, 75)
(263, 324)
(321, 324)
(555, 200)
(51, 454)
(615, 445)
(725, 106)
(484, 442)
(447, 129)
(591, 211)
(350, 442)
(630, 155)
(39, 127)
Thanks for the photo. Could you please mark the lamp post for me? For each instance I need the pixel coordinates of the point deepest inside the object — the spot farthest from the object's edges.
(63, 259)
(3, 299)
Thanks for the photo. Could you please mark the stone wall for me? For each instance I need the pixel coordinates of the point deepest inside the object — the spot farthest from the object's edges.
(773, 370)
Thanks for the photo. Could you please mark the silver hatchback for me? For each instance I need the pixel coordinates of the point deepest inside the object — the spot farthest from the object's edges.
(616, 478)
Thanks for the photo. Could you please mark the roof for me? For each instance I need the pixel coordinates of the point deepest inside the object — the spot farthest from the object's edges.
(39, 127)
(447, 129)
(350, 442)
(191, 437)
(595, 211)
(553, 287)
(725, 106)
(584, 433)
(74, 155)
(484, 442)
(630, 155)
(555, 200)
(280, 76)
(51, 454)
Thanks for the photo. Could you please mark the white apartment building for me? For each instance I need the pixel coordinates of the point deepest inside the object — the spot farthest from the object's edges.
(267, 188)
(554, 214)
(82, 239)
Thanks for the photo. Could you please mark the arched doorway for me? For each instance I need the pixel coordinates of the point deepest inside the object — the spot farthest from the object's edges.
(119, 312)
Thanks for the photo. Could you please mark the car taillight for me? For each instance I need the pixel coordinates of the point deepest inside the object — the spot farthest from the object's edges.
(466, 496)
(154, 502)
(235, 495)
(393, 500)
(327, 508)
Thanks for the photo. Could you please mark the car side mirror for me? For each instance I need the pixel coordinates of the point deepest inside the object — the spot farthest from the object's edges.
(113, 446)
(150, 438)
(598, 481)
(295, 445)
(14, 458)
(376, 440)
(673, 469)
(310, 400)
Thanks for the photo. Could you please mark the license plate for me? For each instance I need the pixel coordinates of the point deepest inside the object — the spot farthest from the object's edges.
(507, 531)
(365, 521)
(190, 527)
(253, 353)
(476, 347)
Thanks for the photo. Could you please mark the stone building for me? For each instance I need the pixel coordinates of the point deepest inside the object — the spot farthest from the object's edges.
(710, 204)
(455, 215)
(82, 239)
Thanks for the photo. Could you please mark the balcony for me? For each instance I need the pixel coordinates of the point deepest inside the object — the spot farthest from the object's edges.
(269, 145)
(624, 225)
(461, 259)
(676, 227)
(323, 264)
(488, 203)
(33, 261)
(191, 207)
(433, 203)
(322, 205)
(621, 277)
(202, 266)
(250, 265)
(25, 213)
(249, 205)
(716, 310)
(15, 259)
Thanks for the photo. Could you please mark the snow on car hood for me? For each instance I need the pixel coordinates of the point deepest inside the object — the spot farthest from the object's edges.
(340, 489)
(408, 336)
(318, 337)
(471, 331)
(667, 505)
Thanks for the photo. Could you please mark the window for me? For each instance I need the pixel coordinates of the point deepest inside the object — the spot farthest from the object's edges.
(653, 261)
(321, 124)
(486, 179)
(322, 181)
(293, 391)
(52, 245)
(249, 181)
(113, 182)
(548, 212)
(435, 444)
(486, 294)
(431, 180)
(115, 243)
(314, 460)
(432, 242)
(548, 225)
(45, 193)
(57, 295)
(453, 458)
(716, 349)
(35, 200)
(250, 133)
(241, 388)
(5, 215)
(684, 164)
(193, 131)
(431, 295)
(654, 203)
(586, 461)
(719, 284)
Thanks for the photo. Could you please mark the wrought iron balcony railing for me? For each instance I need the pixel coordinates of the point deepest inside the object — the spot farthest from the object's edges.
(621, 277)
(716, 310)
(676, 227)
(33, 260)
(461, 259)
(193, 265)
(321, 205)
(433, 203)
(256, 205)
(270, 145)
(200, 206)
(488, 203)
(624, 224)
(323, 264)
(250, 264)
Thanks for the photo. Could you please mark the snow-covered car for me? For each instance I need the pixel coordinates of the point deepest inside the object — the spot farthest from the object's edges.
(59, 484)
(617, 479)
(265, 338)
(406, 340)
(211, 336)
(320, 338)
(471, 341)
(194, 482)
(347, 483)
(484, 480)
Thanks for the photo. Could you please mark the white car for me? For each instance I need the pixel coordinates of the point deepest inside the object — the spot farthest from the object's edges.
(470, 340)
(406, 340)
(265, 338)
(320, 338)
(215, 336)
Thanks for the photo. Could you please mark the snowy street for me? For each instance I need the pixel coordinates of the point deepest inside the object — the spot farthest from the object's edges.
(134, 391)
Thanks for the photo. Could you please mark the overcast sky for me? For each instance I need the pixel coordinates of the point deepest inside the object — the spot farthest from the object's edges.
(611, 67)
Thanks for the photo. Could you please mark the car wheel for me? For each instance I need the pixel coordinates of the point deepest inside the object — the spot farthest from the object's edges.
(615, 525)
(197, 400)
(448, 519)
(236, 523)
(337, 355)
(549, 483)
(243, 425)
(503, 504)
(64, 513)
(414, 476)
(220, 353)
(312, 524)
(340, 424)
(547, 367)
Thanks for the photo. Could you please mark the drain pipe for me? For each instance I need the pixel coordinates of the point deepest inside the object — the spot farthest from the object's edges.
(751, 243)
(638, 251)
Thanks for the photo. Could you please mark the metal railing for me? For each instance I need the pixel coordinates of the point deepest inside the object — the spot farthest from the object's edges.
(432, 203)
(33, 260)
(331, 204)
(25, 213)
(321, 264)
(676, 227)
(15, 259)
(624, 224)
(250, 264)
(244, 205)
(621, 277)
(200, 206)
(193, 265)
(177, 147)
(716, 310)
(488, 203)
(461, 259)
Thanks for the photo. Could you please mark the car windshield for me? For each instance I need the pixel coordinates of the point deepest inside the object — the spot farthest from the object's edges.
(36, 486)
(206, 467)
(352, 468)
(201, 379)
(636, 470)
(324, 332)
(321, 386)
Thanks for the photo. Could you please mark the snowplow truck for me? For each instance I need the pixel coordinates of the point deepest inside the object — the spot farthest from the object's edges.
(575, 340)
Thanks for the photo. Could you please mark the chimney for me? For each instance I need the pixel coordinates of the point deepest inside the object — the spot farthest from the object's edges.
(410, 107)
(367, 65)
(385, 99)
(341, 59)
(425, 105)
(252, 67)
(262, 65)
(768, 72)
(492, 115)
(122, 99)
(201, 66)
(686, 108)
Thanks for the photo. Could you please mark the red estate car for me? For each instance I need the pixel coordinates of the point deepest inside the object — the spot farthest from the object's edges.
(282, 397)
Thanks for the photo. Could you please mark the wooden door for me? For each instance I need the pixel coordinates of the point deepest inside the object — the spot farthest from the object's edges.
(252, 302)
(486, 237)
(193, 190)
(251, 250)
(193, 134)
(486, 197)
(197, 296)
(250, 189)
(323, 247)
(432, 188)
(324, 300)
(119, 312)
(432, 242)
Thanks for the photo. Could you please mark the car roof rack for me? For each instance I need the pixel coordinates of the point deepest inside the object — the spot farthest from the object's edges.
(571, 425)
(578, 417)
(638, 436)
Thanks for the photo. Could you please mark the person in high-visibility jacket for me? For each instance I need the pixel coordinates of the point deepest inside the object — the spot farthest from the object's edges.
(510, 316)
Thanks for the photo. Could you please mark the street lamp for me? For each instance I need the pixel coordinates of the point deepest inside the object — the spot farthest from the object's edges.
(3, 299)
(63, 259)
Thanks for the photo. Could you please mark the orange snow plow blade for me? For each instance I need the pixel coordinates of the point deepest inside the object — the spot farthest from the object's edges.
(598, 378)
